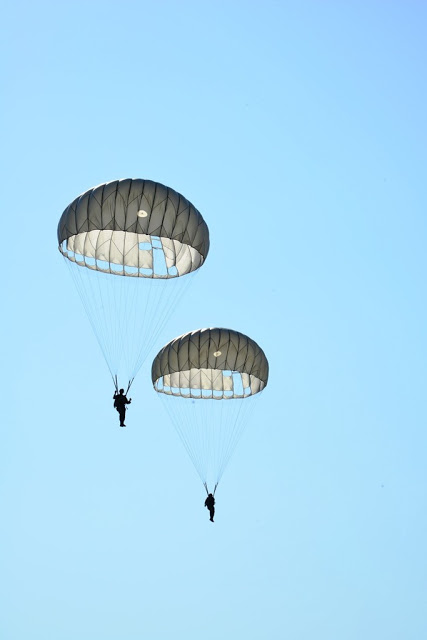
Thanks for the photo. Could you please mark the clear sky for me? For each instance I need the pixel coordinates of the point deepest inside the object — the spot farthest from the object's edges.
(298, 130)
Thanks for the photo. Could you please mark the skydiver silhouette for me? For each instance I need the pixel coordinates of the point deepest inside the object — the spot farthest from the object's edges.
(120, 402)
(210, 504)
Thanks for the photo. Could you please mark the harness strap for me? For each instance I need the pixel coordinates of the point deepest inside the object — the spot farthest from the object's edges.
(207, 490)
(116, 384)
(129, 386)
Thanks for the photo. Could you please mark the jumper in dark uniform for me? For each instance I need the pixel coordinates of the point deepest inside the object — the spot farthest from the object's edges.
(210, 504)
(120, 402)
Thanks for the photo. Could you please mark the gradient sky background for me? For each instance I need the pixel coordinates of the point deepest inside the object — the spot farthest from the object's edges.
(298, 130)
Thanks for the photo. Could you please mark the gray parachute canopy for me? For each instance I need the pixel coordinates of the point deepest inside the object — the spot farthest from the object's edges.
(204, 364)
(119, 226)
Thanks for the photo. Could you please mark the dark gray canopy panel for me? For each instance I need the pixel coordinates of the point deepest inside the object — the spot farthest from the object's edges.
(210, 363)
(127, 227)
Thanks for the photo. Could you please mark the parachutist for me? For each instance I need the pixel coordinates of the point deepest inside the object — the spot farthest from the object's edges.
(120, 402)
(210, 504)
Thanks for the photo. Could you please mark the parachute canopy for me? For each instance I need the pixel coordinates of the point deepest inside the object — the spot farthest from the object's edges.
(208, 381)
(119, 227)
(146, 232)
(204, 363)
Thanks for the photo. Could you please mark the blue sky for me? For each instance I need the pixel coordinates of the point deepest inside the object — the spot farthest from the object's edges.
(298, 130)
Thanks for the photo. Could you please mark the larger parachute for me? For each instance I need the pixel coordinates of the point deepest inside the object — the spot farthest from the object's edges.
(131, 246)
(208, 380)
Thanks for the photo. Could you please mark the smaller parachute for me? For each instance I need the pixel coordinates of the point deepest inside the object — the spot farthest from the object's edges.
(208, 380)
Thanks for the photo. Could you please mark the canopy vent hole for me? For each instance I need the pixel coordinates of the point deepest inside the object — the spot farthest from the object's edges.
(237, 383)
